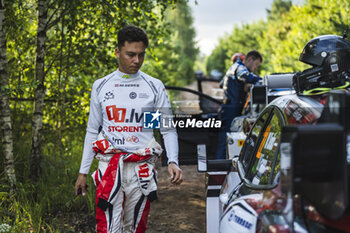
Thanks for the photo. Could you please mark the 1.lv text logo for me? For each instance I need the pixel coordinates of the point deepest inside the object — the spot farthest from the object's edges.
(120, 115)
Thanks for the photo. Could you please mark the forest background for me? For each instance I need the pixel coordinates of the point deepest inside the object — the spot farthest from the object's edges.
(51, 51)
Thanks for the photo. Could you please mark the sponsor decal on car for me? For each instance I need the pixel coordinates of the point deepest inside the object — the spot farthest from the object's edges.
(244, 223)
(239, 217)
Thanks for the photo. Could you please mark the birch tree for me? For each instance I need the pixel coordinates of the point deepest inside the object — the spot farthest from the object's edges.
(5, 117)
(39, 94)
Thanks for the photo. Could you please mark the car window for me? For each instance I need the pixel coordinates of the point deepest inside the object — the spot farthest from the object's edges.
(266, 158)
(252, 140)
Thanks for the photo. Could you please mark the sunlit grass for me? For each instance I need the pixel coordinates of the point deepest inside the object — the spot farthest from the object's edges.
(48, 205)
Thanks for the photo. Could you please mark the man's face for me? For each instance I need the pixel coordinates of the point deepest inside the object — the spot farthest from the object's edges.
(131, 56)
(252, 64)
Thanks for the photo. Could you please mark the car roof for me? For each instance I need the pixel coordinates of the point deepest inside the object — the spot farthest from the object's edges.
(299, 109)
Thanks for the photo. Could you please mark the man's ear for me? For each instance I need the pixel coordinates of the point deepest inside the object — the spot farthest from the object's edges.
(117, 52)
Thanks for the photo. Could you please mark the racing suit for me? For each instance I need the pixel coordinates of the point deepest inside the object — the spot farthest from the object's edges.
(236, 76)
(118, 102)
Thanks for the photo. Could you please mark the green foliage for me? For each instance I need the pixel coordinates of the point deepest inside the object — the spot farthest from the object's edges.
(35, 206)
(297, 27)
(282, 37)
(174, 55)
(242, 39)
(278, 9)
(219, 56)
(80, 45)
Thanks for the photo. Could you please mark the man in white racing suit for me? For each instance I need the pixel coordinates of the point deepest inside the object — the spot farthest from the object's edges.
(126, 179)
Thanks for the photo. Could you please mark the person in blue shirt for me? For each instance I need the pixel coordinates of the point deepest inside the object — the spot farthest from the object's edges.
(236, 83)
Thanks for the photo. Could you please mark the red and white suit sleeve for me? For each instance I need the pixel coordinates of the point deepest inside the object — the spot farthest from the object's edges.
(169, 135)
(94, 123)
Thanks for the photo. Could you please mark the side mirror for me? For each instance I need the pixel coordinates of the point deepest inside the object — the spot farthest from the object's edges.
(259, 94)
(205, 165)
(316, 160)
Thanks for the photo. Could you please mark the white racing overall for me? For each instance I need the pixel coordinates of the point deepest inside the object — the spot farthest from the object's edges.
(118, 102)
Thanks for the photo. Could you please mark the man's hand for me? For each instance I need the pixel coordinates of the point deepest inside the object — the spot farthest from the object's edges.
(175, 173)
(80, 184)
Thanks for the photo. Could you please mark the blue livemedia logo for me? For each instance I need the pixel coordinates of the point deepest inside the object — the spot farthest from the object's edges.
(151, 120)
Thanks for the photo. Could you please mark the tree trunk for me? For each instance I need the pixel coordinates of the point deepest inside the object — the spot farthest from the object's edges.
(35, 168)
(60, 103)
(5, 117)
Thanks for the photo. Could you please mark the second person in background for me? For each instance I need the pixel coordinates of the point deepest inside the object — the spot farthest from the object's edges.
(236, 84)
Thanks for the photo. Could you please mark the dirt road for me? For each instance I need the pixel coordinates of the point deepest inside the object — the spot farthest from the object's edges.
(179, 209)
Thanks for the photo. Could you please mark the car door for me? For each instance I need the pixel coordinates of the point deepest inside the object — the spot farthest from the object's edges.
(258, 167)
(259, 159)
(261, 144)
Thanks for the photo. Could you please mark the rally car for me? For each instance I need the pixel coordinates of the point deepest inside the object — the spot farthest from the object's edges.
(292, 172)
(294, 178)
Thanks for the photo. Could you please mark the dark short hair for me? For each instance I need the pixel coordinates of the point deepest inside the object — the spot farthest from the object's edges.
(255, 55)
(132, 33)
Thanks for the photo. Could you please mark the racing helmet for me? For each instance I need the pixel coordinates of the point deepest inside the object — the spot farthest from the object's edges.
(331, 48)
(234, 57)
(330, 57)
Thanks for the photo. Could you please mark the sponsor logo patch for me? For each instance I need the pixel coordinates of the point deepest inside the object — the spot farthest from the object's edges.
(143, 170)
(126, 85)
(119, 115)
(133, 139)
(119, 141)
(132, 95)
(143, 95)
(124, 128)
(145, 174)
(108, 96)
